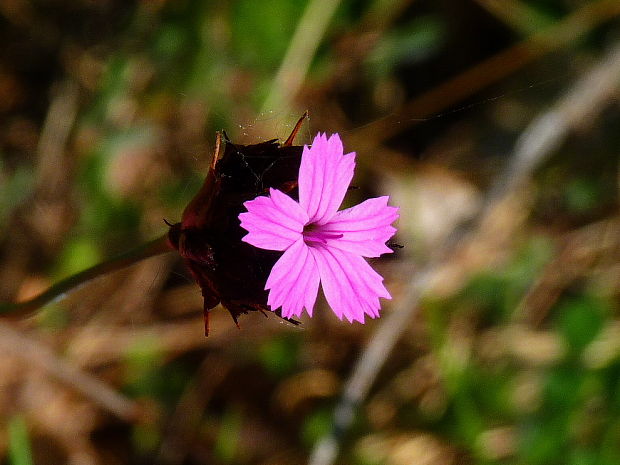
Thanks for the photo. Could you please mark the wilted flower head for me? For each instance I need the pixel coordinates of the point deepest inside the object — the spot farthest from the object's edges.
(208, 237)
(321, 244)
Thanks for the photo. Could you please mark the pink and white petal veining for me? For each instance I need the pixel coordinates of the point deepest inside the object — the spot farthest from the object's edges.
(324, 177)
(311, 173)
(308, 281)
(366, 279)
(274, 222)
(284, 274)
(366, 275)
(292, 281)
(348, 297)
(363, 229)
(330, 274)
(289, 206)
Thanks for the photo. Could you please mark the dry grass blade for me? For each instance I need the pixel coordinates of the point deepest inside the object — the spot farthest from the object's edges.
(300, 52)
(580, 253)
(52, 166)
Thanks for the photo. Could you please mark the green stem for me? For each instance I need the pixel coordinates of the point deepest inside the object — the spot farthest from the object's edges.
(61, 288)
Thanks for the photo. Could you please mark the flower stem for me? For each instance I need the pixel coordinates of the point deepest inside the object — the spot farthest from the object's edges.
(59, 290)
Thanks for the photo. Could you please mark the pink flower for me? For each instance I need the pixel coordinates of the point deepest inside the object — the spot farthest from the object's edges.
(320, 243)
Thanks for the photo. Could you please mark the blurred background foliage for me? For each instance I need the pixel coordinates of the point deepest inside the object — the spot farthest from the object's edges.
(108, 111)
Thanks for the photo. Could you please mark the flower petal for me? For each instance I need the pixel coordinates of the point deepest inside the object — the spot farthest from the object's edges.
(274, 222)
(352, 288)
(363, 229)
(324, 177)
(293, 281)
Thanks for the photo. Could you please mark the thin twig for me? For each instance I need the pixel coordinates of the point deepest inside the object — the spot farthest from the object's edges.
(586, 98)
(59, 290)
(34, 353)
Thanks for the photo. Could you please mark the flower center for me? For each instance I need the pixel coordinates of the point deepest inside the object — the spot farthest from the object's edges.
(314, 234)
